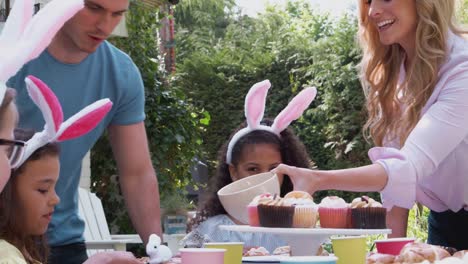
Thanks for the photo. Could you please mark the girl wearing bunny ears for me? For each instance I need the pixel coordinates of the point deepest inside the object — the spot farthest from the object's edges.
(28, 200)
(27, 204)
(257, 146)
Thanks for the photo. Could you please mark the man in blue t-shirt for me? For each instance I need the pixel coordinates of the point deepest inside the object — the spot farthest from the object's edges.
(80, 66)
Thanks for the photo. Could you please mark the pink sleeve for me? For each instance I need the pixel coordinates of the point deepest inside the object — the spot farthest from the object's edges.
(440, 130)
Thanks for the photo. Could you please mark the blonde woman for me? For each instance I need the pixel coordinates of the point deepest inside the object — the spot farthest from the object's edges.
(415, 76)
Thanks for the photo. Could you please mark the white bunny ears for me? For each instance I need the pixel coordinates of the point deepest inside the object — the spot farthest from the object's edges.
(255, 108)
(25, 36)
(55, 129)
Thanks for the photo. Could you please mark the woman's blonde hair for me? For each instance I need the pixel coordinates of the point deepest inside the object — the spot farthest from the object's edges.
(380, 67)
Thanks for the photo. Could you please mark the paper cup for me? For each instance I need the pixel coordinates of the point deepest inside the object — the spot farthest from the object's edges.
(233, 253)
(350, 250)
(392, 246)
(202, 255)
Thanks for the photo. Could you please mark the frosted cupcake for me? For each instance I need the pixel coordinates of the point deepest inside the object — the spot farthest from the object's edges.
(334, 212)
(256, 251)
(252, 210)
(366, 213)
(275, 213)
(305, 210)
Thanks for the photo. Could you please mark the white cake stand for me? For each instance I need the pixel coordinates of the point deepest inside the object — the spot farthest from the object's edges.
(305, 241)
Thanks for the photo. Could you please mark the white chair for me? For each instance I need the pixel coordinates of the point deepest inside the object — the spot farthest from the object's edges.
(96, 234)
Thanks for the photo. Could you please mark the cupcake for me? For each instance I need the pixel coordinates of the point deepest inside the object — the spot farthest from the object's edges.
(256, 251)
(275, 213)
(282, 251)
(334, 212)
(305, 210)
(252, 211)
(366, 213)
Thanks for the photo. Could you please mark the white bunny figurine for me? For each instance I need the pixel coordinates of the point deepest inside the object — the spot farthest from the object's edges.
(158, 253)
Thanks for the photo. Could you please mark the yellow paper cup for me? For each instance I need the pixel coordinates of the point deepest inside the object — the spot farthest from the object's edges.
(350, 250)
(233, 253)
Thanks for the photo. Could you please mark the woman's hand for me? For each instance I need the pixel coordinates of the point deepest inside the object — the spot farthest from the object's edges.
(370, 178)
(114, 257)
(303, 179)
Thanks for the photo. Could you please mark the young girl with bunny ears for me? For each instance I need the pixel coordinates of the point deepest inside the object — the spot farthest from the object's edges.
(27, 203)
(257, 146)
(29, 198)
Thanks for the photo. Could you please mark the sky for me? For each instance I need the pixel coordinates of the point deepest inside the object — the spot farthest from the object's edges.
(335, 7)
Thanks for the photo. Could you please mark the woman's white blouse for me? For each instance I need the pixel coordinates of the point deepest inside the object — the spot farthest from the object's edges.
(432, 166)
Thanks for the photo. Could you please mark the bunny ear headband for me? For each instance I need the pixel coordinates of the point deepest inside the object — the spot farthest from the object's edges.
(55, 130)
(255, 108)
(25, 36)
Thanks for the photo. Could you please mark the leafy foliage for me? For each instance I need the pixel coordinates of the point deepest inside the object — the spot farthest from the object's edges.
(173, 125)
(417, 223)
(462, 13)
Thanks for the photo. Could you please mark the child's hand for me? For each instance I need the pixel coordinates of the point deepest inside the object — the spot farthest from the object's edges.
(114, 257)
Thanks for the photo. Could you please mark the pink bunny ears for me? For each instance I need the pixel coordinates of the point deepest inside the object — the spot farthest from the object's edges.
(55, 129)
(255, 108)
(25, 36)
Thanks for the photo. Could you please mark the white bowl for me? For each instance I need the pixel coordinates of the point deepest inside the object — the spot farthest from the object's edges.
(236, 196)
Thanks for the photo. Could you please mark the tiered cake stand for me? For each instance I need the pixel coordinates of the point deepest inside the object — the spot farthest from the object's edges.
(305, 241)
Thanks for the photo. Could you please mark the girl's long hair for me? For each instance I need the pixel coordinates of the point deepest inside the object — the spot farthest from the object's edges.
(10, 226)
(293, 152)
(380, 67)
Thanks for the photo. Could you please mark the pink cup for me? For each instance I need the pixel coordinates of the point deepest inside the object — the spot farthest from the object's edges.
(392, 246)
(202, 255)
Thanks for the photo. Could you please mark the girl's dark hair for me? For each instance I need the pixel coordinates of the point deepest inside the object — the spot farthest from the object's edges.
(7, 100)
(293, 153)
(10, 229)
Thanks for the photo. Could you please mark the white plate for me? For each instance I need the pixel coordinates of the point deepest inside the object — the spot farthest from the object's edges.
(305, 241)
(305, 231)
(261, 259)
(279, 259)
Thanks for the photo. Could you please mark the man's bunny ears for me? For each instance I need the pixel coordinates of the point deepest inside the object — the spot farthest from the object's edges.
(255, 108)
(25, 36)
(55, 129)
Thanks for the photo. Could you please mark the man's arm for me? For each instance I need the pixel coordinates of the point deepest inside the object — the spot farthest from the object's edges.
(138, 179)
